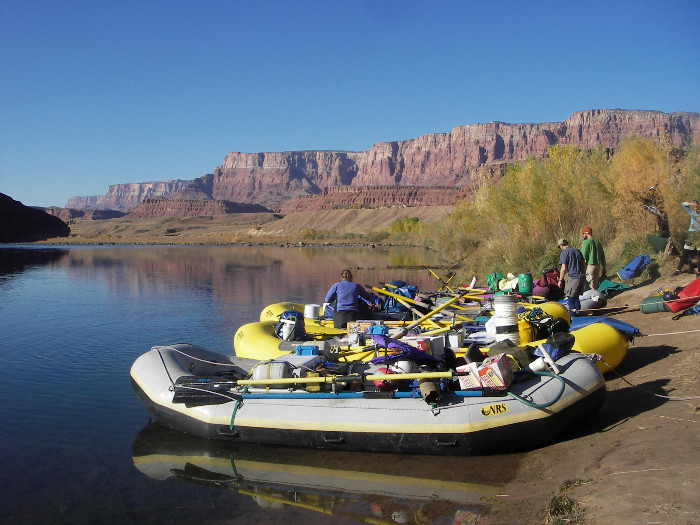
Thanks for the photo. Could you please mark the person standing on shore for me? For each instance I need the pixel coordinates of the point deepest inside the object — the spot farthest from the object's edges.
(573, 266)
(690, 247)
(346, 295)
(594, 256)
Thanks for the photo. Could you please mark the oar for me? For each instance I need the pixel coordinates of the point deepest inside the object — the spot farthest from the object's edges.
(405, 301)
(455, 314)
(422, 304)
(444, 284)
(440, 308)
(388, 292)
(354, 378)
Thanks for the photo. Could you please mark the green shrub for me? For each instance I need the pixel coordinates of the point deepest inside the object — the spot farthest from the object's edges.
(562, 510)
(406, 225)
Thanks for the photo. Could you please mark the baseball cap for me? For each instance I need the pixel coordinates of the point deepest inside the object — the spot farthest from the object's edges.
(562, 242)
(587, 230)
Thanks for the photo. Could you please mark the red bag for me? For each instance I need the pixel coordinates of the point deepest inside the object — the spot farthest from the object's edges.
(687, 297)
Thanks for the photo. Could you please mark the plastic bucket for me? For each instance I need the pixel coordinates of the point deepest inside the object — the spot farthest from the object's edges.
(311, 311)
(525, 283)
(287, 332)
(505, 313)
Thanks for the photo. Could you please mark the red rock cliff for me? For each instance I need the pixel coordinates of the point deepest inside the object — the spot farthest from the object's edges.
(439, 159)
(192, 208)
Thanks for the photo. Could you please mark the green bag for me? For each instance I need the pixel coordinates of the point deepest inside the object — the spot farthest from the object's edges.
(654, 304)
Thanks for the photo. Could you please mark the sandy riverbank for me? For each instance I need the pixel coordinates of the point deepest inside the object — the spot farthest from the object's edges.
(638, 460)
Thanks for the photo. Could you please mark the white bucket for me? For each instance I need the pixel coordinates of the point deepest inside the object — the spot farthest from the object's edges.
(311, 311)
(404, 367)
(455, 339)
(505, 318)
(287, 329)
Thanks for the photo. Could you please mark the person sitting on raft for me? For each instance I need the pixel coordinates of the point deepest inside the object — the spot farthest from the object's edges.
(346, 295)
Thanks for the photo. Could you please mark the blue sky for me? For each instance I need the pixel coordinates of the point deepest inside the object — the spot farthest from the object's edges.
(94, 93)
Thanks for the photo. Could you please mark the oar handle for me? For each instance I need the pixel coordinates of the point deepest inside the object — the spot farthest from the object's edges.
(415, 323)
(333, 379)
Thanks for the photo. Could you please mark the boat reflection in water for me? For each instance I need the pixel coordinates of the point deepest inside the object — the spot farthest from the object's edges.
(377, 488)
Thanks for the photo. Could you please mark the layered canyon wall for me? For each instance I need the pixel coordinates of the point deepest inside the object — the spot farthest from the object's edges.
(151, 208)
(128, 196)
(436, 160)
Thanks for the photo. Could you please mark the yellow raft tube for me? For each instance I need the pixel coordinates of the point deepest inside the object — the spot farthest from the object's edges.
(258, 340)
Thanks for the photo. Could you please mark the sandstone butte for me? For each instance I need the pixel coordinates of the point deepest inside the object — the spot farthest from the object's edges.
(431, 170)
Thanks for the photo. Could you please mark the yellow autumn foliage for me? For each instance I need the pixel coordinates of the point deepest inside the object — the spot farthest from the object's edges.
(513, 225)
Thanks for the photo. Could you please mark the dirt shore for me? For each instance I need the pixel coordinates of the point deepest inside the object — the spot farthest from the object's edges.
(638, 460)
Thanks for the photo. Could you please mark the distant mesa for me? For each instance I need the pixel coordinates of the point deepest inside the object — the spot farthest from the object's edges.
(20, 223)
(68, 214)
(151, 208)
(431, 170)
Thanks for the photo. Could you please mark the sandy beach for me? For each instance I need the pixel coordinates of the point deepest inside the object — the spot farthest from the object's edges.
(637, 460)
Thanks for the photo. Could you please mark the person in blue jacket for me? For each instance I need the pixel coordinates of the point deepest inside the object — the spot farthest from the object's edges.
(346, 295)
(574, 267)
(690, 248)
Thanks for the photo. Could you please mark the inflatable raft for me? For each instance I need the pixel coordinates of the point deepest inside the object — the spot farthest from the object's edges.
(312, 401)
(259, 340)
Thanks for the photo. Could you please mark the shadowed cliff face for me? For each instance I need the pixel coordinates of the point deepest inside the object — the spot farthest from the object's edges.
(439, 159)
(20, 223)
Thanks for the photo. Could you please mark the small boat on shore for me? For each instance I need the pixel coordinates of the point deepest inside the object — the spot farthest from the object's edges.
(311, 400)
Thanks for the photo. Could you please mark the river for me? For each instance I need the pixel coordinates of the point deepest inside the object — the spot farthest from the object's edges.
(78, 447)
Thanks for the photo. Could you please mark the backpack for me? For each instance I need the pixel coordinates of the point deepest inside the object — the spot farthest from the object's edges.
(549, 281)
(391, 305)
(493, 279)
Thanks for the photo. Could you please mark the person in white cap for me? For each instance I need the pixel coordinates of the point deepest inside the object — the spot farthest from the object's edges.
(573, 266)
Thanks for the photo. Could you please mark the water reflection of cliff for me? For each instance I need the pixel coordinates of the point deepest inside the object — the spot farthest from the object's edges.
(18, 259)
(377, 488)
(243, 274)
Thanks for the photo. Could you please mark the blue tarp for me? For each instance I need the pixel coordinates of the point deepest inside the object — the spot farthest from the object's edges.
(634, 267)
(625, 328)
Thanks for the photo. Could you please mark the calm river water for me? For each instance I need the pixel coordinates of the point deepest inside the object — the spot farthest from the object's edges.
(77, 446)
